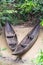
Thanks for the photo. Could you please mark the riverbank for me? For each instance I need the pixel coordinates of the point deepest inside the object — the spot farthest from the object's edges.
(21, 33)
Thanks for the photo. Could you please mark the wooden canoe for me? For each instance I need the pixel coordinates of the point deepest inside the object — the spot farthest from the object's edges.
(10, 36)
(27, 42)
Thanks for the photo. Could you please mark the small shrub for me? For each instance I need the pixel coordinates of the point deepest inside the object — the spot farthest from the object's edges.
(39, 59)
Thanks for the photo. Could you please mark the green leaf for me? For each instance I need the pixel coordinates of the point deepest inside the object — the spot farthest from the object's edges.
(3, 49)
(41, 22)
(8, 11)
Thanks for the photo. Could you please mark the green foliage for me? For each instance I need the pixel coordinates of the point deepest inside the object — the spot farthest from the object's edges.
(16, 10)
(3, 49)
(6, 1)
(7, 12)
(27, 7)
(39, 59)
(41, 22)
(35, 7)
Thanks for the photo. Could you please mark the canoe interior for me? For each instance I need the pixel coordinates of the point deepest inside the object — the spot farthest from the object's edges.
(28, 40)
(10, 35)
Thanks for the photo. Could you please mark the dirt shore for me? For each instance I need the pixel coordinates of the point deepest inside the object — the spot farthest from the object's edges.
(21, 33)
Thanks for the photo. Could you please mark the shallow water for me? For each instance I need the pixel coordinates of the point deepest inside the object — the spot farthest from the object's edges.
(21, 33)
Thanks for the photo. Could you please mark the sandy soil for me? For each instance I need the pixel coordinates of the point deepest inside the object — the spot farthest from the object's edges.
(21, 33)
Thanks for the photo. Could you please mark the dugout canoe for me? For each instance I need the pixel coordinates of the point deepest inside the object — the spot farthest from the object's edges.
(10, 36)
(27, 42)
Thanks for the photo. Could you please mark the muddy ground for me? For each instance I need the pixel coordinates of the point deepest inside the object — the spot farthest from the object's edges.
(32, 53)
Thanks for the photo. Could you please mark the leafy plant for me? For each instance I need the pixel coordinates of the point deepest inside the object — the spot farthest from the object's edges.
(30, 7)
(3, 49)
(7, 12)
(16, 10)
(26, 7)
(41, 22)
(39, 59)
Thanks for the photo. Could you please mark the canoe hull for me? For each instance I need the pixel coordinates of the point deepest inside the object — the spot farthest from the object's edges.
(28, 42)
(21, 53)
(10, 36)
